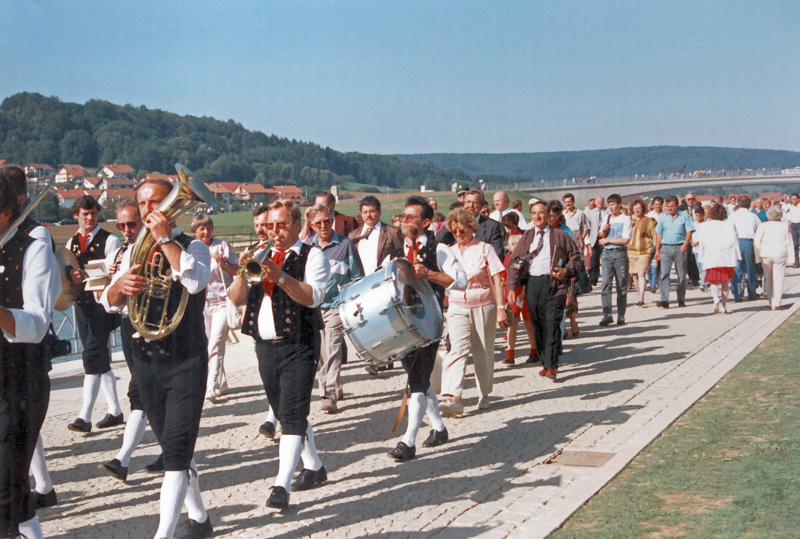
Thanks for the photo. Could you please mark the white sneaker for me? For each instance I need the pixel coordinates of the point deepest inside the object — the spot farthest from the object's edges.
(211, 396)
(483, 403)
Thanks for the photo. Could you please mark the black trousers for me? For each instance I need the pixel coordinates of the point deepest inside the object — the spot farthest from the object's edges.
(546, 313)
(692, 271)
(287, 372)
(24, 397)
(594, 265)
(94, 327)
(419, 366)
(126, 331)
(172, 392)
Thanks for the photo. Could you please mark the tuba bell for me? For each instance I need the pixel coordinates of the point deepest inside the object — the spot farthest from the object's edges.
(251, 268)
(143, 310)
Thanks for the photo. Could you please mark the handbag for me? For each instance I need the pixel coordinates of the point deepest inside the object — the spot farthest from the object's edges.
(233, 312)
(583, 285)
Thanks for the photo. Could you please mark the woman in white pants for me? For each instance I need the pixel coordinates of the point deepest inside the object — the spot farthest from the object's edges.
(774, 248)
(472, 315)
(224, 265)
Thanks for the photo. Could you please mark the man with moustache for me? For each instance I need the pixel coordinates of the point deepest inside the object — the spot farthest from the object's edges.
(129, 223)
(546, 286)
(29, 288)
(172, 371)
(283, 318)
(374, 239)
(489, 231)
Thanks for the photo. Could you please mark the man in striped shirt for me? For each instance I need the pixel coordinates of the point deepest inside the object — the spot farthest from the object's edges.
(345, 267)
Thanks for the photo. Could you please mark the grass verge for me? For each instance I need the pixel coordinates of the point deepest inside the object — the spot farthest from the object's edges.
(729, 467)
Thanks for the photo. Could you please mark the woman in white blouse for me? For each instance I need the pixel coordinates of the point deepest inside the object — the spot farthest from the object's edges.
(718, 247)
(472, 315)
(774, 248)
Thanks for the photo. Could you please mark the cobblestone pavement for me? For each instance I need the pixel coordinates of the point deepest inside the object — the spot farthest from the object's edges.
(499, 476)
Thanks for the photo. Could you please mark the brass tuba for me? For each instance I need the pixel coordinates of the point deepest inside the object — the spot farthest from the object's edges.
(187, 193)
(251, 268)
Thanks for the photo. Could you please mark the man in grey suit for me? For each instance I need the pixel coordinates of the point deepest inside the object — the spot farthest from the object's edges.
(374, 239)
(489, 230)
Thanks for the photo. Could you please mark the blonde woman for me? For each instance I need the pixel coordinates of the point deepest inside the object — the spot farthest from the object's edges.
(472, 315)
(774, 248)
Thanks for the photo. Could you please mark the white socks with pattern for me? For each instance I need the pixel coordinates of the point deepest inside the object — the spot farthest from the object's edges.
(416, 411)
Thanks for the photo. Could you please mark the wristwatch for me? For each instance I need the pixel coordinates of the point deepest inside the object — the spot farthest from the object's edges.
(161, 241)
(282, 279)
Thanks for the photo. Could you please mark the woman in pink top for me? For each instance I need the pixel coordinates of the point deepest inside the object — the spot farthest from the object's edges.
(472, 315)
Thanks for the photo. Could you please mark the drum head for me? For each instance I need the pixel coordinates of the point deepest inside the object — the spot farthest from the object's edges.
(417, 300)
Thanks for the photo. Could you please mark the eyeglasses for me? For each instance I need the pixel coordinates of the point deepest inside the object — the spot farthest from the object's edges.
(129, 224)
(408, 217)
(326, 222)
(277, 226)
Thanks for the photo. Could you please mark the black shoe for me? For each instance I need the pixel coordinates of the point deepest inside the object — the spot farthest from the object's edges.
(278, 498)
(79, 425)
(157, 466)
(115, 469)
(738, 300)
(606, 321)
(662, 304)
(532, 358)
(44, 500)
(681, 304)
(308, 478)
(110, 421)
(191, 529)
(402, 452)
(267, 429)
(436, 438)
(620, 321)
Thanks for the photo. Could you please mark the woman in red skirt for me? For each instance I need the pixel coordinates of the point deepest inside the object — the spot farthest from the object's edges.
(718, 252)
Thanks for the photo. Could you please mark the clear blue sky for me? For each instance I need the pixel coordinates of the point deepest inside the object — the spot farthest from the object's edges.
(429, 76)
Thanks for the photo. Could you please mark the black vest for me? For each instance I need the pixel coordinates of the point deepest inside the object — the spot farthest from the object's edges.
(189, 340)
(12, 256)
(293, 321)
(29, 224)
(427, 257)
(96, 250)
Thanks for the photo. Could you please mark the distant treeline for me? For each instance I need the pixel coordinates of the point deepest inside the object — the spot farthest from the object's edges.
(611, 163)
(38, 129)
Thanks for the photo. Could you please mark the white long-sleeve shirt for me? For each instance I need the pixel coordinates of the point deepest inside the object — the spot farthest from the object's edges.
(446, 260)
(194, 274)
(774, 240)
(41, 286)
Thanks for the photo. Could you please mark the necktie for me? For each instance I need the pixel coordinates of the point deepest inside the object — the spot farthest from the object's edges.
(411, 256)
(367, 231)
(83, 240)
(539, 245)
(277, 257)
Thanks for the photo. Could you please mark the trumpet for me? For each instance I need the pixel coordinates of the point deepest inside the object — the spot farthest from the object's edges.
(251, 267)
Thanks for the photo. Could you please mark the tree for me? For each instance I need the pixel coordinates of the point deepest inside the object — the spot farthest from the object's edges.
(79, 147)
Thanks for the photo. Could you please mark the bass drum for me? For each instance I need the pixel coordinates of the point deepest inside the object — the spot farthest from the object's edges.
(390, 313)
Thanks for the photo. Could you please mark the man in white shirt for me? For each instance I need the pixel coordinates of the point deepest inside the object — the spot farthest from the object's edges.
(596, 215)
(284, 319)
(792, 215)
(746, 223)
(374, 239)
(94, 325)
(577, 221)
(615, 234)
(171, 371)
(28, 291)
(500, 202)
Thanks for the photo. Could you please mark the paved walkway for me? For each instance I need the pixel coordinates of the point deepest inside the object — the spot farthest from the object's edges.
(505, 473)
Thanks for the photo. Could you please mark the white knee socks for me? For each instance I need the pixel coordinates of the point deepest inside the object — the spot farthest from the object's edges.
(173, 493)
(109, 384)
(194, 501)
(289, 451)
(31, 529)
(134, 430)
(39, 469)
(309, 455)
(91, 385)
(432, 411)
(271, 417)
(416, 411)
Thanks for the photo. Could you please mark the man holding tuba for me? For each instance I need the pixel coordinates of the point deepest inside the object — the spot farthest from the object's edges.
(283, 318)
(172, 370)
(29, 288)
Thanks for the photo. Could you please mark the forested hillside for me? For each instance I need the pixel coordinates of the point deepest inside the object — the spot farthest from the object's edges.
(38, 129)
(611, 163)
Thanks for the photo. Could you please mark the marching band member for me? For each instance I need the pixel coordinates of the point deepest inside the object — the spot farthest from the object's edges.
(437, 264)
(44, 494)
(129, 223)
(28, 292)
(283, 318)
(94, 326)
(171, 371)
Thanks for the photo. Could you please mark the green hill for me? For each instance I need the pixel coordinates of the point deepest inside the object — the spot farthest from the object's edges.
(610, 163)
(38, 129)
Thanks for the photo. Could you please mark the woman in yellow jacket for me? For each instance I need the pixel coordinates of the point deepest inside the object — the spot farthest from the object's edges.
(640, 247)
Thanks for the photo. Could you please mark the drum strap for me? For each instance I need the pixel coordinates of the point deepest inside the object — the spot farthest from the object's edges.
(402, 411)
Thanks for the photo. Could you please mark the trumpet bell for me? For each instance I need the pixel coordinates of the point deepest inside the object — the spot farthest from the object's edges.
(251, 268)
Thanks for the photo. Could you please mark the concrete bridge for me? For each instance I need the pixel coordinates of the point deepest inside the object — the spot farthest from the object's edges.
(670, 185)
